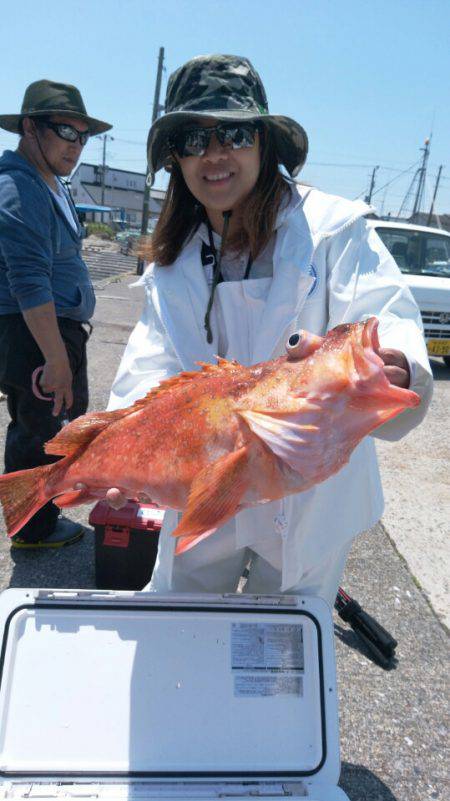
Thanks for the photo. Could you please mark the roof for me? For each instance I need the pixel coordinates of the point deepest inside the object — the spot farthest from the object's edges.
(406, 227)
(92, 207)
(110, 169)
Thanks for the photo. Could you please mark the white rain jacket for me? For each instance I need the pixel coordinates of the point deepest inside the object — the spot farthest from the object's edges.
(329, 267)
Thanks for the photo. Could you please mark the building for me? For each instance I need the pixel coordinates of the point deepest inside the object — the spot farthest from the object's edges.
(123, 192)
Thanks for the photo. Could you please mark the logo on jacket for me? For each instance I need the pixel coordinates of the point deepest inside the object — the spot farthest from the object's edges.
(313, 272)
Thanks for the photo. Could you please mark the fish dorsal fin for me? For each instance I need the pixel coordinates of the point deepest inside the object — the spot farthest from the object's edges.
(223, 366)
(81, 432)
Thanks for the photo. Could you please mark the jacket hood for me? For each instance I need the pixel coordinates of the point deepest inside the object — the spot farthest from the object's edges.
(13, 161)
(328, 215)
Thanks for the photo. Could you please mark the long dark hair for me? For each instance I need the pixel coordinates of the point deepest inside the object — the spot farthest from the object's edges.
(181, 213)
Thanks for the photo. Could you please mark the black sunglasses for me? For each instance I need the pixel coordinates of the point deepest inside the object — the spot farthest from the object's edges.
(67, 132)
(195, 141)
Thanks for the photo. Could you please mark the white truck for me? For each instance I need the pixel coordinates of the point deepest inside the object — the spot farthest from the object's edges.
(423, 256)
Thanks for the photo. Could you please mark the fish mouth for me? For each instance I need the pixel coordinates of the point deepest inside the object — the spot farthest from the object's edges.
(369, 336)
(366, 348)
(364, 345)
(370, 368)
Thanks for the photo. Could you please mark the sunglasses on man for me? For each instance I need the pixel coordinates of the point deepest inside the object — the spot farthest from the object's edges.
(195, 141)
(67, 132)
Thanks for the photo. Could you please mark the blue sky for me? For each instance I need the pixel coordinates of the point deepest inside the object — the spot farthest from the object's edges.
(368, 80)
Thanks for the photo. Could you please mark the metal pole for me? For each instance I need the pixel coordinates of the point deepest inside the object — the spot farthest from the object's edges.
(434, 194)
(368, 197)
(146, 198)
(105, 138)
(421, 182)
(103, 172)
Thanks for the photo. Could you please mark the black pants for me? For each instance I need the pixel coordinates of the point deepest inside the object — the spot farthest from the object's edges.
(32, 422)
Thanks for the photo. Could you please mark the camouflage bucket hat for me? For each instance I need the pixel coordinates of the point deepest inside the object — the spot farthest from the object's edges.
(229, 89)
(44, 98)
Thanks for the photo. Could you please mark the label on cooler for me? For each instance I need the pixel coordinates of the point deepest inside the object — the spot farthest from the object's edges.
(251, 685)
(267, 659)
(150, 514)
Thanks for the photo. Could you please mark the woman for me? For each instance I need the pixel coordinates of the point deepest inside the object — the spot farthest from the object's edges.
(243, 257)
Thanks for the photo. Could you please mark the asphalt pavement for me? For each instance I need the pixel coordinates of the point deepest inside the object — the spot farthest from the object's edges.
(394, 723)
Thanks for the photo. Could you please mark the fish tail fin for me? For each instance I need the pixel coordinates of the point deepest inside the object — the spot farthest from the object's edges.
(22, 494)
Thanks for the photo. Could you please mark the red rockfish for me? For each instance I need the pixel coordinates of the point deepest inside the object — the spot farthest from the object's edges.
(222, 439)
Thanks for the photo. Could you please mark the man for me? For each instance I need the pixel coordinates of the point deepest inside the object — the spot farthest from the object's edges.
(46, 295)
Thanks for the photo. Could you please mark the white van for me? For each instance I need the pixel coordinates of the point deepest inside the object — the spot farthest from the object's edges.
(423, 256)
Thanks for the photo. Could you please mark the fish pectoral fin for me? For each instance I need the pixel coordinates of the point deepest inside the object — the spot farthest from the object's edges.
(283, 433)
(214, 498)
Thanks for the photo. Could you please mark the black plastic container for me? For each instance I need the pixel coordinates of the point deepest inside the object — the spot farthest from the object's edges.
(126, 544)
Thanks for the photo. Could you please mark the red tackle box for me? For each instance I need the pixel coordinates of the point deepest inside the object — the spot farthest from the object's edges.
(126, 544)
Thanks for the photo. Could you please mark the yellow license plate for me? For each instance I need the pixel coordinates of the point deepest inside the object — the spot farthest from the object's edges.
(438, 347)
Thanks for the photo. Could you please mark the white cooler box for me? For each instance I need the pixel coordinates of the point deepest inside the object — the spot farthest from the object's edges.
(123, 695)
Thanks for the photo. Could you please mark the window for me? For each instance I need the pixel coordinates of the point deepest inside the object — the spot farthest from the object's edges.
(417, 251)
(437, 254)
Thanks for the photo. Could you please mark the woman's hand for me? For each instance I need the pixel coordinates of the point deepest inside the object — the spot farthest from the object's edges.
(396, 367)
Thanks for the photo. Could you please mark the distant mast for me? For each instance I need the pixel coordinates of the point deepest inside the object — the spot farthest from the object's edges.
(422, 175)
(419, 177)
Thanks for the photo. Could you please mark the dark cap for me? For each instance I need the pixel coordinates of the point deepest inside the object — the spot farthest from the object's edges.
(45, 98)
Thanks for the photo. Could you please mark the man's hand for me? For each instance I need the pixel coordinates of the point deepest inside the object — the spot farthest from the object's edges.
(56, 378)
(396, 367)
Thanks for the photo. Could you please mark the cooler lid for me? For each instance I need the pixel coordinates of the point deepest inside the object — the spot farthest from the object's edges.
(135, 684)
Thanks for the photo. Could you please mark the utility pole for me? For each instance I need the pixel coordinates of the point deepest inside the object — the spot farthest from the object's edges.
(146, 199)
(421, 181)
(105, 138)
(368, 197)
(434, 194)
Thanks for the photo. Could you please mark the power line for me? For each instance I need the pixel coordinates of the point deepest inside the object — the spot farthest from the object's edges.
(380, 189)
(130, 142)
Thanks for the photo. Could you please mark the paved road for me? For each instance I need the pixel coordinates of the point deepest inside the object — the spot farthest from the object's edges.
(393, 724)
(416, 479)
